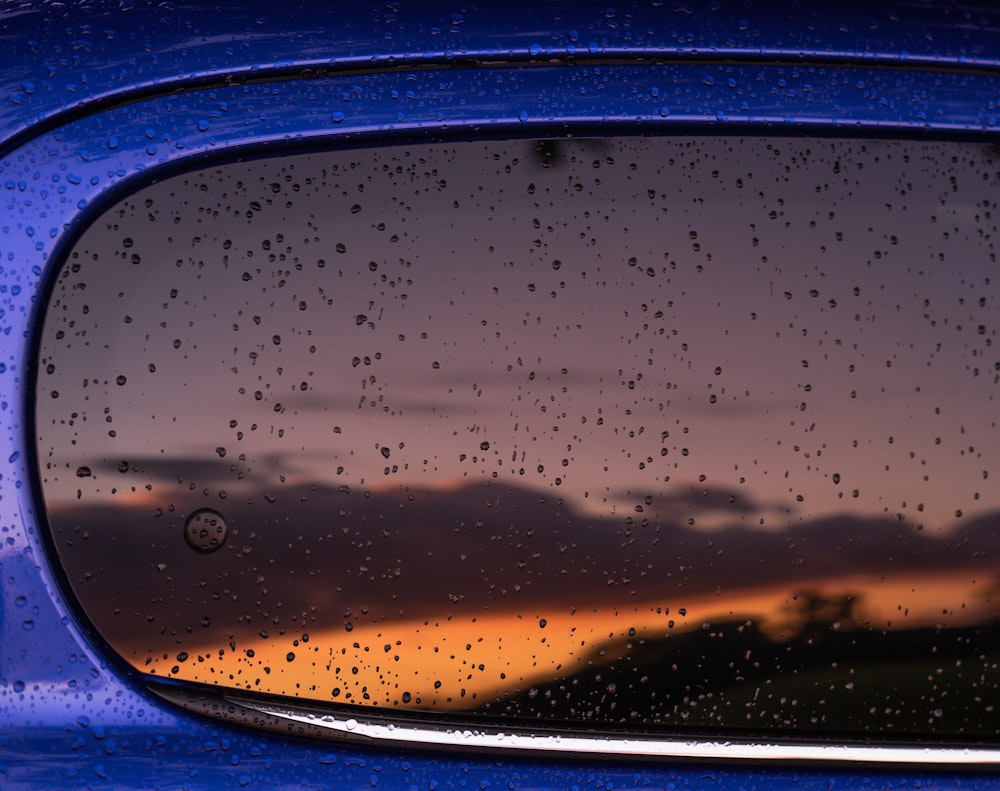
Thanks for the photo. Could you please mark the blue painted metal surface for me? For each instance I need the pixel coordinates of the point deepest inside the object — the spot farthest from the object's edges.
(98, 98)
(59, 60)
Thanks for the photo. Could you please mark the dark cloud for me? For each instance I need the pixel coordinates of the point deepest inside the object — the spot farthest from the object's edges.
(309, 552)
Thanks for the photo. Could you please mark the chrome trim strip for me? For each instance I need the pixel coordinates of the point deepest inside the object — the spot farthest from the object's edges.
(445, 736)
(383, 730)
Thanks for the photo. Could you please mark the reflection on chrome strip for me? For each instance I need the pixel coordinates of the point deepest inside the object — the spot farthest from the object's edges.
(480, 738)
(316, 722)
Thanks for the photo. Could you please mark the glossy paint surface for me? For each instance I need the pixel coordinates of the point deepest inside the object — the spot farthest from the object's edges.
(70, 715)
(61, 59)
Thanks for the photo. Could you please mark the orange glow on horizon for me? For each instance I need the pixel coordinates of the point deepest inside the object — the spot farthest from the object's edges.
(455, 663)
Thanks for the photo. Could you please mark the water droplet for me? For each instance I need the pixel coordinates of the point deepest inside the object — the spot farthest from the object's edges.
(205, 530)
(83, 472)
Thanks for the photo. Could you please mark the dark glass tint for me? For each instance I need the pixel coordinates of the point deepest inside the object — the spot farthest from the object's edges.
(653, 434)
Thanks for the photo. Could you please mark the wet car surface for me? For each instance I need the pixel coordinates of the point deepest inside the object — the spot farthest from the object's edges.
(119, 104)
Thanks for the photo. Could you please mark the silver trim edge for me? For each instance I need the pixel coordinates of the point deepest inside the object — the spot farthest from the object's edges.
(312, 721)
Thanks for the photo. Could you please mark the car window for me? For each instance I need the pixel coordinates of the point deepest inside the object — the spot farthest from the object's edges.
(660, 434)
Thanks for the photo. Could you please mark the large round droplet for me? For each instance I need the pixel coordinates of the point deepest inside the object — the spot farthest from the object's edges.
(205, 530)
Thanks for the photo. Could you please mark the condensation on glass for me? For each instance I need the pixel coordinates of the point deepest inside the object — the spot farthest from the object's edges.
(656, 435)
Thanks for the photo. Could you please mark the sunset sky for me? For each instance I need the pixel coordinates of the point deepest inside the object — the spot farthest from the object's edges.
(799, 320)
(744, 341)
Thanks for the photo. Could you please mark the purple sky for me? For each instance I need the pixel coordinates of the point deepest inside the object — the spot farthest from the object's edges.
(804, 320)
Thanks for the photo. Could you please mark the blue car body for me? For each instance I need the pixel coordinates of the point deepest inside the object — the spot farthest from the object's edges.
(98, 97)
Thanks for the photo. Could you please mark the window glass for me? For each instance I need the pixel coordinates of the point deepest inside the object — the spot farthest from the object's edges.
(644, 433)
